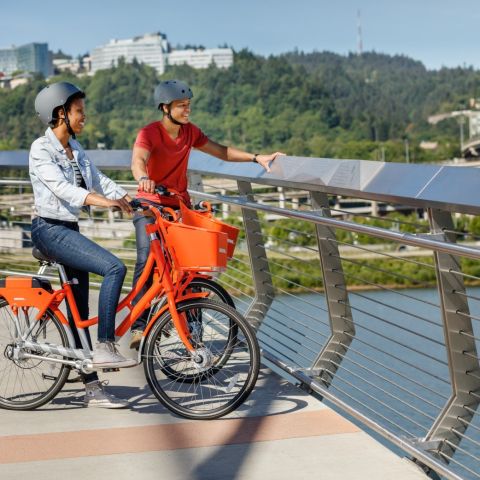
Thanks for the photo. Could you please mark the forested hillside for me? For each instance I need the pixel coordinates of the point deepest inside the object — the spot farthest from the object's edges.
(318, 104)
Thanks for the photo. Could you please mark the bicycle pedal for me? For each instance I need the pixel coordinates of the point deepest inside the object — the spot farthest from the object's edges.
(110, 370)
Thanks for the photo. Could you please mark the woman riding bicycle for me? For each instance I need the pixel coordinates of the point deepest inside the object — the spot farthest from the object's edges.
(160, 157)
(64, 181)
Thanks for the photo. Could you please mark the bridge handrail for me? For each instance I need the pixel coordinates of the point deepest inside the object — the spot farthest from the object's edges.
(421, 185)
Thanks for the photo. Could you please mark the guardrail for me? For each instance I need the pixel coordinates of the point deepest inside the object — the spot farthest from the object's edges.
(326, 290)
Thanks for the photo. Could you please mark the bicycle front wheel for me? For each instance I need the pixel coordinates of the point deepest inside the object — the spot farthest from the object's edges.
(27, 383)
(196, 385)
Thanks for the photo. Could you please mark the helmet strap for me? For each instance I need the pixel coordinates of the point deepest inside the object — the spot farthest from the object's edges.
(67, 123)
(169, 115)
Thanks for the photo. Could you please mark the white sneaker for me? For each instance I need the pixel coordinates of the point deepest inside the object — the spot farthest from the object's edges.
(106, 355)
(96, 396)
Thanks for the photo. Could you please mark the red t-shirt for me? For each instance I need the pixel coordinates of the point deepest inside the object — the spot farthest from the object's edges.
(167, 164)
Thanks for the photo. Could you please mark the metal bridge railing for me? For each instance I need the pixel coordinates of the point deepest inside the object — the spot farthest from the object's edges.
(379, 315)
(335, 315)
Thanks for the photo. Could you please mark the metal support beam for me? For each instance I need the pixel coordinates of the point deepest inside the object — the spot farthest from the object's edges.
(195, 182)
(262, 280)
(461, 351)
(340, 315)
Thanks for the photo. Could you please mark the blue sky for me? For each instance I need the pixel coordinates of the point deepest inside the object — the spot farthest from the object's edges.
(436, 32)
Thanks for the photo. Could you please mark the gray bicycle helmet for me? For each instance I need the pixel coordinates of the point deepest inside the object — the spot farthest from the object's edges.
(53, 96)
(170, 90)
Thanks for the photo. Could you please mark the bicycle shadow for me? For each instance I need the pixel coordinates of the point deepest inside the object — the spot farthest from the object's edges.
(143, 401)
(227, 460)
(272, 396)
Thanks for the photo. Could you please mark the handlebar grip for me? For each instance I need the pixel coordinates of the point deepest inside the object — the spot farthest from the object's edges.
(204, 205)
(137, 205)
(161, 190)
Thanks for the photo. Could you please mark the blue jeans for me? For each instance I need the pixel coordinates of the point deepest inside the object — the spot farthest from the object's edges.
(143, 249)
(62, 242)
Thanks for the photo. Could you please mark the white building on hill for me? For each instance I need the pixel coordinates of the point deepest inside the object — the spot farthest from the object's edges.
(149, 49)
(154, 50)
(202, 58)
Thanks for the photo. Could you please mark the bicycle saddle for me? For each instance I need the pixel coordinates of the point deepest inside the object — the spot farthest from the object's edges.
(40, 256)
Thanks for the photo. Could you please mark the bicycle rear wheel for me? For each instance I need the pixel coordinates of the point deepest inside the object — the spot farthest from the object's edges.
(199, 386)
(216, 291)
(29, 383)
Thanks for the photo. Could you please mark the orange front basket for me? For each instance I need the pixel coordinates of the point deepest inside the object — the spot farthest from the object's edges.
(208, 221)
(198, 249)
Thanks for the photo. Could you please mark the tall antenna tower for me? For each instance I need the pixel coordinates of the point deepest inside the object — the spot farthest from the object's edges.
(359, 33)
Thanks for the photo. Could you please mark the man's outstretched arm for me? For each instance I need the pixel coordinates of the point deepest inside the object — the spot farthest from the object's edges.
(232, 154)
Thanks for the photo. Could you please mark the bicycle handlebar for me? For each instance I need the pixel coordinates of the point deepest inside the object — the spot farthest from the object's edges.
(156, 210)
(163, 191)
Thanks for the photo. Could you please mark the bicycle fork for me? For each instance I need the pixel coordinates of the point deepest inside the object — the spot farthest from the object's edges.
(180, 322)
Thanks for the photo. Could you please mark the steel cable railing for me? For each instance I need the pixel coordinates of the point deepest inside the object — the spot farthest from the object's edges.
(367, 407)
(388, 394)
(392, 307)
(402, 344)
(383, 270)
(295, 336)
(393, 356)
(450, 459)
(395, 372)
(393, 324)
(382, 253)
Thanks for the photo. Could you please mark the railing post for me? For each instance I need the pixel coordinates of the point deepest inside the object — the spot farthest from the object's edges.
(340, 315)
(195, 182)
(459, 342)
(262, 280)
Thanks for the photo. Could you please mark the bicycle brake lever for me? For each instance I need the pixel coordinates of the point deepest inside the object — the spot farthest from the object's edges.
(205, 206)
(136, 205)
(161, 190)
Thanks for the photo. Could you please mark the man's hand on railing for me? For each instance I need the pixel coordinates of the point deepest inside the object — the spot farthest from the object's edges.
(266, 160)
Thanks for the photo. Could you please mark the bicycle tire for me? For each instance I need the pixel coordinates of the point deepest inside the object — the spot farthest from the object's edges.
(220, 293)
(212, 390)
(29, 383)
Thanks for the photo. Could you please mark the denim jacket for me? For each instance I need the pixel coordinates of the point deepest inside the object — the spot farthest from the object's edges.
(53, 179)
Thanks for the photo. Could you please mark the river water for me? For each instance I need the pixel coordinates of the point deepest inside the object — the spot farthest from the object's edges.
(395, 370)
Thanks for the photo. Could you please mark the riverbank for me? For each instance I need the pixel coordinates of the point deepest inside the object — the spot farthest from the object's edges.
(301, 275)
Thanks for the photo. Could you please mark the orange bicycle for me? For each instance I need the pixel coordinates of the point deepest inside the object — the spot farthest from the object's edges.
(201, 358)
